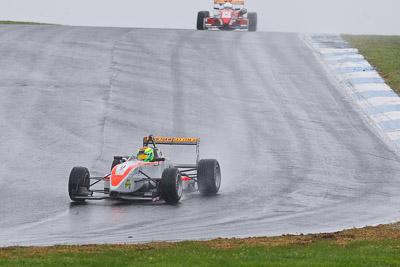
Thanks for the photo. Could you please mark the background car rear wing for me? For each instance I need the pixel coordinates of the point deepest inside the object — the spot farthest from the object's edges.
(237, 4)
(174, 141)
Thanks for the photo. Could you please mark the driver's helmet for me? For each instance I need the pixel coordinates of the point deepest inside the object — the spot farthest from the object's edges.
(146, 154)
(228, 5)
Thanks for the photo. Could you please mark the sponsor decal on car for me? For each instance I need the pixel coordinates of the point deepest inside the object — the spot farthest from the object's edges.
(128, 183)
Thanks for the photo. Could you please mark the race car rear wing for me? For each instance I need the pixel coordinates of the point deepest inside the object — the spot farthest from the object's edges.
(174, 141)
(171, 141)
(237, 4)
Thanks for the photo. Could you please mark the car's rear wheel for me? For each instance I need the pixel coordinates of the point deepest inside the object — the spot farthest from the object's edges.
(201, 16)
(252, 21)
(79, 178)
(171, 185)
(208, 176)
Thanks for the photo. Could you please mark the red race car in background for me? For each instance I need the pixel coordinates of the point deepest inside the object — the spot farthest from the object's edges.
(228, 15)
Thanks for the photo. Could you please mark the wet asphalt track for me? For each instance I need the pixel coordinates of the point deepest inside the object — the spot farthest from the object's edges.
(296, 155)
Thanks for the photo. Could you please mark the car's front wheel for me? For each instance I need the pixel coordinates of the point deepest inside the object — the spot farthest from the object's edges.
(201, 16)
(252, 21)
(171, 185)
(79, 178)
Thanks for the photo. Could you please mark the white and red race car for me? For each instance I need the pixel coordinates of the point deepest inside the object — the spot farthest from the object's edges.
(134, 179)
(228, 16)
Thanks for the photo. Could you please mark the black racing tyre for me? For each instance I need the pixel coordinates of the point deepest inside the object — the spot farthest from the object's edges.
(115, 163)
(208, 176)
(252, 21)
(79, 177)
(201, 16)
(171, 185)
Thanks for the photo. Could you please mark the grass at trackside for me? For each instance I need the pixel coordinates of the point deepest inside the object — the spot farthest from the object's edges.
(383, 52)
(23, 23)
(367, 246)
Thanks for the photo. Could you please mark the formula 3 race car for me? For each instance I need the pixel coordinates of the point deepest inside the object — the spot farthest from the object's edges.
(228, 16)
(135, 179)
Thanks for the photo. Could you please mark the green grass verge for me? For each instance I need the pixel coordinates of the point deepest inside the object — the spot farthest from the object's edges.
(321, 253)
(370, 246)
(383, 52)
(23, 23)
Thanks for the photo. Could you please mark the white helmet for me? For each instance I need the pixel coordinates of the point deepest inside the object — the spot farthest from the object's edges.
(228, 5)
